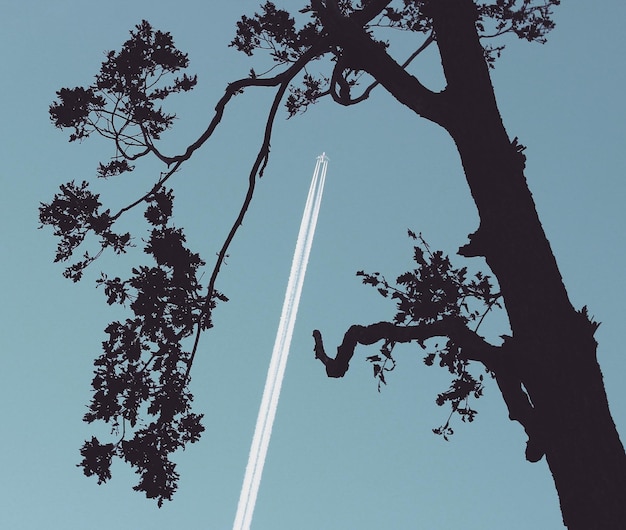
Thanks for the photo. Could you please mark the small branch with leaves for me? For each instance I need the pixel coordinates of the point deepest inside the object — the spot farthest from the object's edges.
(435, 300)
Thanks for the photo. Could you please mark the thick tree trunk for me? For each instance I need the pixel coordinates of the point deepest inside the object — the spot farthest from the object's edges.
(554, 352)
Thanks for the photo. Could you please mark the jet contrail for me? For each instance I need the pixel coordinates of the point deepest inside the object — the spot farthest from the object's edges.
(278, 362)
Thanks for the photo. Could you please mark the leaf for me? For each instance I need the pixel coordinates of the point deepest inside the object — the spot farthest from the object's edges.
(114, 168)
(97, 459)
(418, 256)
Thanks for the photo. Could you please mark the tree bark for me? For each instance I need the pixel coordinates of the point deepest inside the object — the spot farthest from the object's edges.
(553, 352)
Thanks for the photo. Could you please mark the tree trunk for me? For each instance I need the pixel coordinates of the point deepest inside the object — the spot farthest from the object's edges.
(554, 352)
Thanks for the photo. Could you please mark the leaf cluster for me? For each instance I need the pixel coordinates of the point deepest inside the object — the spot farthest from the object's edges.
(383, 363)
(300, 97)
(527, 19)
(141, 379)
(274, 30)
(435, 291)
(140, 385)
(463, 387)
(73, 213)
(123, 102)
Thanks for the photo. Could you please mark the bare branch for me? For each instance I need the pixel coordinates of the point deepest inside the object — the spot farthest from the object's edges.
(257, 170)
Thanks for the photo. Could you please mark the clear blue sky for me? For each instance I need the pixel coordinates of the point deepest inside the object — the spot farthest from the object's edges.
(342, 456)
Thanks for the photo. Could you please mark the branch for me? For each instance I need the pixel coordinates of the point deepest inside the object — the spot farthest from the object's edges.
(474, 347)
(429, 40)
(364, 53)
(257, 169)
(497, 359)
(236, 87)
(164, 177)
(517, 400)
(337, 78)
(283, 79)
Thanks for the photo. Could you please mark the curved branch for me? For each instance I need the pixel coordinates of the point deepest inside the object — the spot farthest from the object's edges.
(257, 169)
(236, 87)
(496, 359)
(337, 79)
(474, 347)
(364, 53)
(283, 79)
(366, 93)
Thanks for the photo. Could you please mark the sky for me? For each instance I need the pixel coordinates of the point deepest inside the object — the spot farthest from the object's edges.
(342, 455)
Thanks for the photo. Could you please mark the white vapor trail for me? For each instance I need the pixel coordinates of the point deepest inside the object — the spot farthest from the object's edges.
(278, 362)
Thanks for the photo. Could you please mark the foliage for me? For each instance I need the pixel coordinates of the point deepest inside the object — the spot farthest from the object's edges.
(140, 385)
(141, 382)
(122, 103)
(527, 19)
(432, 292)
(274, 30)
(74, 213)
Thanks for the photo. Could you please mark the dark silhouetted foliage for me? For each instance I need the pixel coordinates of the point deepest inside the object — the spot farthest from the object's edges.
(433, 292)
(143, 372)
(546, 371)
(122, 103)
(74, 213)
(141, 379)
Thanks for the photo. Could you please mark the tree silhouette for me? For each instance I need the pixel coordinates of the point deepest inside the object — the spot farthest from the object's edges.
(546, 371)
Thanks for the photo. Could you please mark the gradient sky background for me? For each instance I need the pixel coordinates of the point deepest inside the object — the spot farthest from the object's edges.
(342, 456)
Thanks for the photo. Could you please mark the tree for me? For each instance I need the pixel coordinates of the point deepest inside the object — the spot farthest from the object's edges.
(547, 370)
